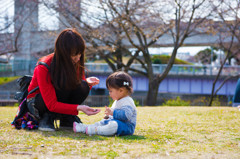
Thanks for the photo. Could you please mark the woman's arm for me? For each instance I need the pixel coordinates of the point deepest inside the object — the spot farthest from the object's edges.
(88, 110)
(92, 81)
(48, 93)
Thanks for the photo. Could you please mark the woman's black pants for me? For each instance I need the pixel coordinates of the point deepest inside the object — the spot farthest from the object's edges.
(76, 96)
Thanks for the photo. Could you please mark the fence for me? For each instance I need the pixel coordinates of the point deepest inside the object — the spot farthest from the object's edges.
(17, 66)
(175, 70)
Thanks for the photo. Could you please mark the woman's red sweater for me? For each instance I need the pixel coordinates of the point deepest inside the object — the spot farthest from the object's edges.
(41, 78)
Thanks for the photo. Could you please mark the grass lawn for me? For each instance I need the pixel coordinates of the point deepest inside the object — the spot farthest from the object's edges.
(4, 80)
(161, 132)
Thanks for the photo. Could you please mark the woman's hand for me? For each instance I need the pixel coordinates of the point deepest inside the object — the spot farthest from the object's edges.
(92, 81)
(108, 111)
(88, 110)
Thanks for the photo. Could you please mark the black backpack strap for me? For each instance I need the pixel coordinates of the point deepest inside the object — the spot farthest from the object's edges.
(33, 90)
(43, 63)
(39, 63)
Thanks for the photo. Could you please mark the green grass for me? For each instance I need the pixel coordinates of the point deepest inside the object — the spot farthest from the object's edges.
(4, 80)
(161, 132)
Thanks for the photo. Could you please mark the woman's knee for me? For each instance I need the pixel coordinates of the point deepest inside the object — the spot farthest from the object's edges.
(80, 94)
(40, 105)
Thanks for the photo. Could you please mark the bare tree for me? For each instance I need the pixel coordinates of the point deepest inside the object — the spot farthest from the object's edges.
(6, 42)
(9, 41)
(229, 37)
(99, 28)
(185, 19)
(114, 26)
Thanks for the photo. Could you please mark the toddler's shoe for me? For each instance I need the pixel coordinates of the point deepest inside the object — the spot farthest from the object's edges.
(79, 127)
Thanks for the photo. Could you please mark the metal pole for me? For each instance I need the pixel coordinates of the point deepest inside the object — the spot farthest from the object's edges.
(211, 55)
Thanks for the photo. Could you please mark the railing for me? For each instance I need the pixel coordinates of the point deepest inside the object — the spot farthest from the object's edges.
(16, 66)
(175, 70)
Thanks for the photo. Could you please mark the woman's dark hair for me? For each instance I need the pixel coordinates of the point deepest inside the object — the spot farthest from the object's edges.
(64, 73)
(120, 79)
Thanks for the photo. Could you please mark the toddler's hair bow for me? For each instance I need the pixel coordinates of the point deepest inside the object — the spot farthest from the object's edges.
(125, 83)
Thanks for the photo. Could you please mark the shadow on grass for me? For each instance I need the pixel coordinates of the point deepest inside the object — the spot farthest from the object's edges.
(63, 133)
(133, 137)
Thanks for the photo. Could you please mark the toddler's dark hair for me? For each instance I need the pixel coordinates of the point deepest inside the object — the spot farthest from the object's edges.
(120, 79)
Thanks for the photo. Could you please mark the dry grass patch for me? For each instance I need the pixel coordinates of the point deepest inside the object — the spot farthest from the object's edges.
(161, 132)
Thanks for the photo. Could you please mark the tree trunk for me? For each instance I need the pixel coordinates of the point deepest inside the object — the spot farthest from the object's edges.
(152, 93)
(118, 54)
(216, 79)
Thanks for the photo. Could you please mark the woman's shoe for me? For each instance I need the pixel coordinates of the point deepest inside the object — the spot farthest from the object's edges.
(46, 123)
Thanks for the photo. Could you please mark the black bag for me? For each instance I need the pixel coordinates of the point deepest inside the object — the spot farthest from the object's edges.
(21, 96)
(23, 107)
(23, 83)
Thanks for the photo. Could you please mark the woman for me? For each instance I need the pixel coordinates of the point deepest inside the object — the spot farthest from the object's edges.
(62, 84)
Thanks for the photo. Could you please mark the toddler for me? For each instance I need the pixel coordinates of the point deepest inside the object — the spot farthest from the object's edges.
(120, 119)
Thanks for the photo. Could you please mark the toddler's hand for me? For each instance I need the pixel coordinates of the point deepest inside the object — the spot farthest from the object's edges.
(108, 111)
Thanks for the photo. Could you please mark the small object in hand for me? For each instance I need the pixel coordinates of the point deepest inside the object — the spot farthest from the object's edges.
(92, 80)
(95, 110)
(106, 117)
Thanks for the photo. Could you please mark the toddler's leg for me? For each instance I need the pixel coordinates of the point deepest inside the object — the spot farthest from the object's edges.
(104, 130)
